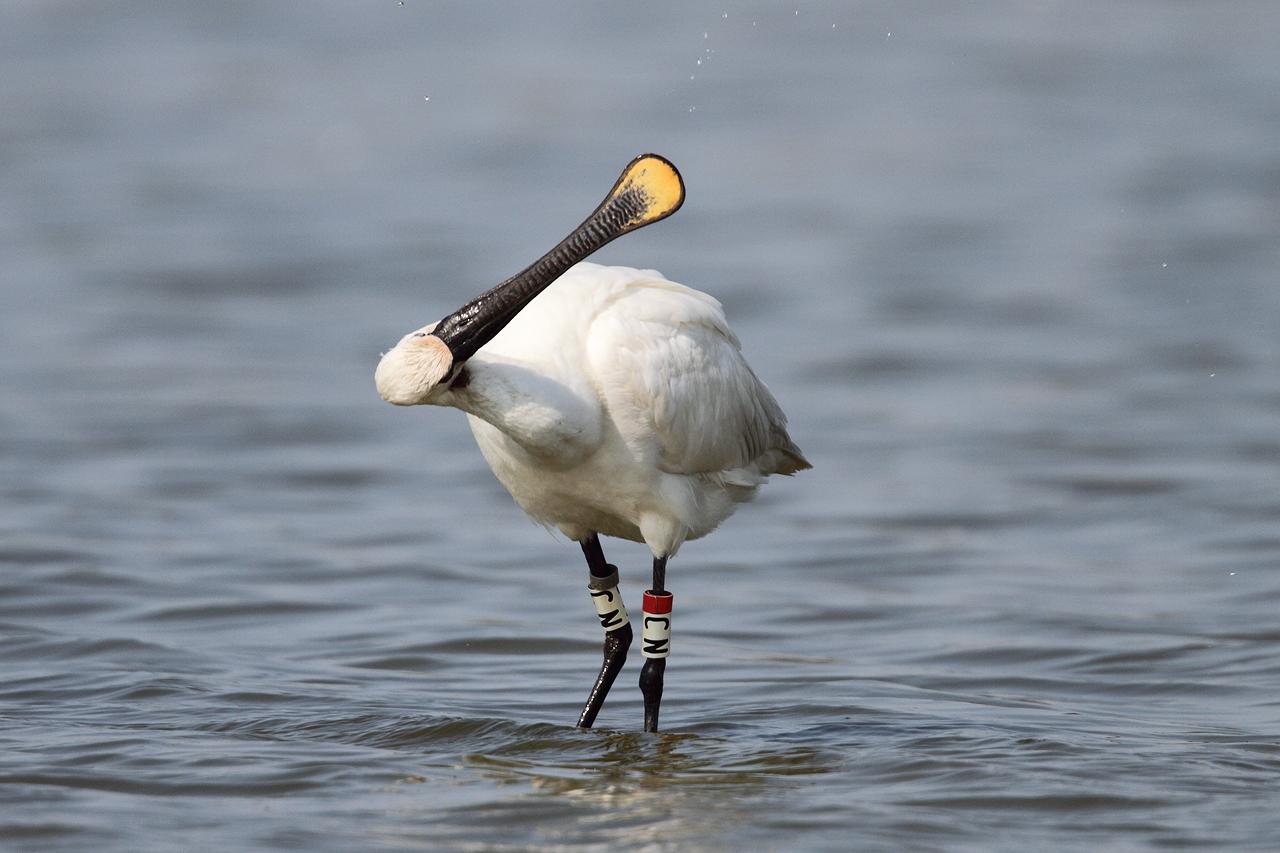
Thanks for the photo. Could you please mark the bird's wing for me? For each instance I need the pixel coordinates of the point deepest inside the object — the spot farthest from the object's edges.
(674, 378)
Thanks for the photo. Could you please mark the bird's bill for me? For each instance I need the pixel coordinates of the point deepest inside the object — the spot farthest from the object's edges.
(648, 190)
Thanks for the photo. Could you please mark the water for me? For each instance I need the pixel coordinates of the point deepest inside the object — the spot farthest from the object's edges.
(1011, 269)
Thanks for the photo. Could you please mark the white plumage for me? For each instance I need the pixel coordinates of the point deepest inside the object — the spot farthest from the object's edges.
(616, 402)
(607, 400)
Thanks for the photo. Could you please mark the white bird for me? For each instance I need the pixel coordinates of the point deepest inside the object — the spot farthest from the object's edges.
(607, 400)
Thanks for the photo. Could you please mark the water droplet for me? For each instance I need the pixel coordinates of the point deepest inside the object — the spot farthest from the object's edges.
(725, 15)
(691, 109)
(426, 97)
(699, 61)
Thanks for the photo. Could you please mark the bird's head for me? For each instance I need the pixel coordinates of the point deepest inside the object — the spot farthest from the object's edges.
(415, 368)
(430, 358)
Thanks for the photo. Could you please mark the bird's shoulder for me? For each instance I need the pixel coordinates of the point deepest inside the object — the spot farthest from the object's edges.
(616, 295)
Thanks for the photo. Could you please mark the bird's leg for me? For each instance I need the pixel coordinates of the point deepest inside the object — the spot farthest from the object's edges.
(655, 643)
(603, 587)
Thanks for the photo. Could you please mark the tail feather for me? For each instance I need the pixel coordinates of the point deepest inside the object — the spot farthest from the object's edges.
(787, 457)
(792, 461)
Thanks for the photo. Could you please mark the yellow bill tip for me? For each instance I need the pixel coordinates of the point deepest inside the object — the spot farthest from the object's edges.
(652, 188)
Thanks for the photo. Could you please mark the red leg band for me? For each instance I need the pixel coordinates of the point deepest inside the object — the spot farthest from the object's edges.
(657, 602)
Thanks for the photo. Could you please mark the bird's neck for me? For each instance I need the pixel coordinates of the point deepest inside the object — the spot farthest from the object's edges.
(531, 405)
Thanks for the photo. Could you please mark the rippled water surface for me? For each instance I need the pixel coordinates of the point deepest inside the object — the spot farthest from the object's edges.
(1011, 269)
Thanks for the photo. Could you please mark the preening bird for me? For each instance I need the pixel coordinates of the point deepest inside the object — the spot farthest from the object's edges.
(607, 400)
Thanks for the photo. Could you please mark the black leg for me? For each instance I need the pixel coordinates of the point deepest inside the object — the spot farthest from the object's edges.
(655, 643)
(613, 618)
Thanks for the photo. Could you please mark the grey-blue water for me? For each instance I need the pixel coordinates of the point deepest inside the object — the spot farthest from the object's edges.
(1011, 268)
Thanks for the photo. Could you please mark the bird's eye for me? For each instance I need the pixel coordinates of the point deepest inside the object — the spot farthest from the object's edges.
(419, 334)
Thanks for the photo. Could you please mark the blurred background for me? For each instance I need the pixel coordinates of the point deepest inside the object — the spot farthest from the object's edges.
(1010, 268)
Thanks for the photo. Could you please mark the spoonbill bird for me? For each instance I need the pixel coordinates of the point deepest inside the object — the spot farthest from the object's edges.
(607, 400)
